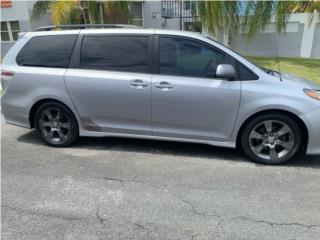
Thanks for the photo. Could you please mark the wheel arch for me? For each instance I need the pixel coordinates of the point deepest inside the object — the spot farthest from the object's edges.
(296, 118)
(38, 103)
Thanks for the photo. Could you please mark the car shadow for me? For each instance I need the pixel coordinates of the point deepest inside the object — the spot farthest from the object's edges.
(169, 148)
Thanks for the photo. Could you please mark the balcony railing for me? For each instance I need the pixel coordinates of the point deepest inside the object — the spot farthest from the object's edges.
(179, 9)
(185, 10)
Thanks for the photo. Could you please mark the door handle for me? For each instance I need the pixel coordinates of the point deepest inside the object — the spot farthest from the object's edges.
(137, 83)
(163, 85)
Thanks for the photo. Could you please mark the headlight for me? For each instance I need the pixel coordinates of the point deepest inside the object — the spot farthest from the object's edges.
(312, 93)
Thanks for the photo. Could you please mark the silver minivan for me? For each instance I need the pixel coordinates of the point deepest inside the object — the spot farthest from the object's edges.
(156, 84)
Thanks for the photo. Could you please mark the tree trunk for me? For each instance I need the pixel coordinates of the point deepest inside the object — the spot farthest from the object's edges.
(230, 38)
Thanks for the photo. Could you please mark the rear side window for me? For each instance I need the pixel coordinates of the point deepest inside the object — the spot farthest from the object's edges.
(115, 53)
(47, 51)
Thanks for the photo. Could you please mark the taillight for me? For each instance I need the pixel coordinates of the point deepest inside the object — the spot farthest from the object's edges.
(7, 73)
(6, 76)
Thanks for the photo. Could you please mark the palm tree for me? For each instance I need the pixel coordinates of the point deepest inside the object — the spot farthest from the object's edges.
(118, 11)
(253, 15)
(217, 15)
(76, 11)
(312, 7)
(259, 13)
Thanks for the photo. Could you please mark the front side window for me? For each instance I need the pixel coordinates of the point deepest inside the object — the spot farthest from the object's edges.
(184, 57)
(47, 51)
(115, 53)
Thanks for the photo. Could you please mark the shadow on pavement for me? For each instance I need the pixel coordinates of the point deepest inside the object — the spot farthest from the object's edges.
(169, 148)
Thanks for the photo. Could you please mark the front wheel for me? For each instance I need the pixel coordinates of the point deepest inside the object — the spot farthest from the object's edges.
(56, 124)
(271, 138)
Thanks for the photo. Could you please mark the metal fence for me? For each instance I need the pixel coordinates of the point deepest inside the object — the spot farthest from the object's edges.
(186, 11)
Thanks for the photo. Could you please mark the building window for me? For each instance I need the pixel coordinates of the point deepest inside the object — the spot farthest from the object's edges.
(9, 31)
(137, 13)
(155, 15)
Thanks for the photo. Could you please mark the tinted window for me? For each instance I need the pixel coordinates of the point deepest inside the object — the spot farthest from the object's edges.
(115, 53)
(47, 51)
(185, 57)
(246, 74)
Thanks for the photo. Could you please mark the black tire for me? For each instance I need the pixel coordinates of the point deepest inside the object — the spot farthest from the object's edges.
(61, 129)
(273, 141)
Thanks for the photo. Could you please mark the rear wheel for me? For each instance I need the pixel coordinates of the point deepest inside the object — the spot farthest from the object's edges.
(271, 138)
(56, 124)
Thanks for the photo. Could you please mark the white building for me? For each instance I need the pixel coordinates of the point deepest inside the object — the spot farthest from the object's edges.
(300, 40)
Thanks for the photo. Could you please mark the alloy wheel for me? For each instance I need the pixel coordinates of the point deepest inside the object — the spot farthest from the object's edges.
(272, 140)
(55, 126)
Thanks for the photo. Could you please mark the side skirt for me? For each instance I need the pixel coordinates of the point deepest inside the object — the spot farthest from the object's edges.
(227, 144)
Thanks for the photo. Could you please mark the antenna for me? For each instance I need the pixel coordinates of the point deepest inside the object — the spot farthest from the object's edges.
(277, 56)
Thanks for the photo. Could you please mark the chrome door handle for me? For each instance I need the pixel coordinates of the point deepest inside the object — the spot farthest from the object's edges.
(163, 85)
(137, 83)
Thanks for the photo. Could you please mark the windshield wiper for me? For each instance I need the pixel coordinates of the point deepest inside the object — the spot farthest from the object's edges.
(271, 72)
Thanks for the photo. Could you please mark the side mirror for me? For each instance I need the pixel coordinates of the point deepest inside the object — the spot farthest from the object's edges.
(225, 71)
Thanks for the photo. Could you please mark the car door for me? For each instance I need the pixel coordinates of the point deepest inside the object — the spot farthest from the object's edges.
(188, 101)
(111, 86)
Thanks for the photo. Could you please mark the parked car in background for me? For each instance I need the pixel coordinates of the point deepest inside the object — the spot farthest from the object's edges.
(156, 84)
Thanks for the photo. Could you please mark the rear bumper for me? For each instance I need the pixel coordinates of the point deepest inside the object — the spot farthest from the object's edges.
(312, 120)
(15, 108)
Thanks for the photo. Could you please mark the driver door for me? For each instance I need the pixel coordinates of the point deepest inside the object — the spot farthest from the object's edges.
(188, 101)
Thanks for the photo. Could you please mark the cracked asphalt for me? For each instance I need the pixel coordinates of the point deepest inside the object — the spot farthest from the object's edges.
(107, 188)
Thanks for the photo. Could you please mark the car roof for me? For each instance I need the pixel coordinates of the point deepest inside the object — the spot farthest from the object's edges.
(115, 30)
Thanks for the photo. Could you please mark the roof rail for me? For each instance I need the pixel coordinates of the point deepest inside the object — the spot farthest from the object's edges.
(85, 26)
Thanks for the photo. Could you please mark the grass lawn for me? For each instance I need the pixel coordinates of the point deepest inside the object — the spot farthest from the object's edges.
(304, 67)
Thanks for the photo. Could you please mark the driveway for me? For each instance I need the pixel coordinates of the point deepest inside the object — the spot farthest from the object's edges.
(111, 188)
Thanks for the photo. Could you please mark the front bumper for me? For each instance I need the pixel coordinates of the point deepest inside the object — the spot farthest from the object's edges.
(312, 120)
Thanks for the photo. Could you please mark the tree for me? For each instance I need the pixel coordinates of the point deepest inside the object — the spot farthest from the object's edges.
(259, 13)
(216, 15)
(312, 7)
(118, 11)
(77, 12)
(253, 15)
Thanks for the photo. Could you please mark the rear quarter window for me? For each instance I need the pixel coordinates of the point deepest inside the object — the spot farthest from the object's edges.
(47, 51)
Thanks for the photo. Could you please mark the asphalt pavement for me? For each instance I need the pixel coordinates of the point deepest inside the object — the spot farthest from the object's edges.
(108, 188)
